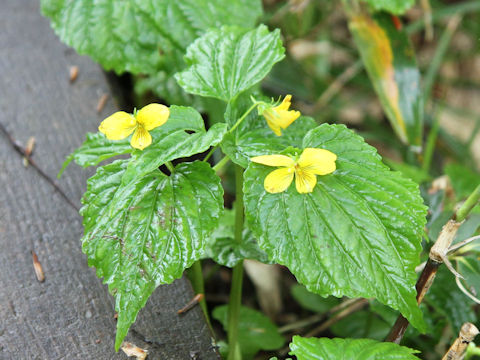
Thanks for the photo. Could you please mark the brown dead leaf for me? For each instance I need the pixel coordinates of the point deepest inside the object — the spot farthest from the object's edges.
(38, 267)
(132, 350)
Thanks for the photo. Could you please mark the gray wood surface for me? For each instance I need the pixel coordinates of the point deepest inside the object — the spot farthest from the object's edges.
(71, 314)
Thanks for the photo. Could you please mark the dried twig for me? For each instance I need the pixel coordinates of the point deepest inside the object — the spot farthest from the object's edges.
(337, 85)
(341, 311)
(465, 337)
(19, 149)
(101, 103)
(191, 304)
(28, 150)
(355, 306)
(461, 244)
(438, 253)
(427, 15)
(466, 292)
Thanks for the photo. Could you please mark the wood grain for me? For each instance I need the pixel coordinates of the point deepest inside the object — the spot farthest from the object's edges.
(70, 315)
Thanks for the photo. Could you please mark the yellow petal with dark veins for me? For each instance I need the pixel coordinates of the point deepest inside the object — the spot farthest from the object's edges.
(141, 138)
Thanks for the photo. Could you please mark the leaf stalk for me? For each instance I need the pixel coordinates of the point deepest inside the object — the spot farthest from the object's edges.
(237, 277)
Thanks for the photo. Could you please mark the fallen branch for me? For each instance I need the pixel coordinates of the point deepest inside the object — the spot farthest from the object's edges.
(465, 337)
(438, 255)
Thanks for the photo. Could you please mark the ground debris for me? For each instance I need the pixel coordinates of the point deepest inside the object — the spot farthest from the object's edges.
(101, 102)
(197, 298)
(73, 73)
(132, 350)
(38, 268)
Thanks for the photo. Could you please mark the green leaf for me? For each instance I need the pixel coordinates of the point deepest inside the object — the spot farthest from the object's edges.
(128, 35)
(389, 59)
(357, 234)
(447, 299)
(311, 301)
(468, 228)
(224, 250)
(241, 146)
(95, 149)
(147, 233)
(358, 349)
(225, 62)
(255, 330)
(183, 135)
(409, 171)
(362, 324)
(394, 6)
(463, 179)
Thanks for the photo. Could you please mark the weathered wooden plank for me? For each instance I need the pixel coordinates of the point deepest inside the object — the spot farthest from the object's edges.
(70, 315)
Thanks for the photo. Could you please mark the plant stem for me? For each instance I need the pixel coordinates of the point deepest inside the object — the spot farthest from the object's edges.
(237, 277)
(440, 52)
(239, 121)
(459, 347)
(468, 205)
(221, 164)
(170, 167)
(438, 255)
(210, 153)
(430, 146)
(195, 275)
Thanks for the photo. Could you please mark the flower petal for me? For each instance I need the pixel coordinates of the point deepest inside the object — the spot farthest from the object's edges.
(152, 116)
(286, 118)
(118, 126)
(305, 181)
(272, 123)
(317, 161)
(285, 105)
(279, 180)
(273, 160)
(141, 138)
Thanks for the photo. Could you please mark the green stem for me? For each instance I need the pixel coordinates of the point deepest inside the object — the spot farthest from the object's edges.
(210, 153)
(170, 167)
(221, 164)
(237, 276)
(430, 146)
(195, 275)
(440, 53)
(239, 121)
(468, 205)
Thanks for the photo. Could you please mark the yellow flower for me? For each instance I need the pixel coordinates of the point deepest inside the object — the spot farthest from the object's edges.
(311, 162)
(279, 117)
(121, 124)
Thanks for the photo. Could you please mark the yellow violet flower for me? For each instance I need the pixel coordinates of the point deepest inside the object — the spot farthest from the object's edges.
(279, 117)
(311, 162)
(121, 124)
